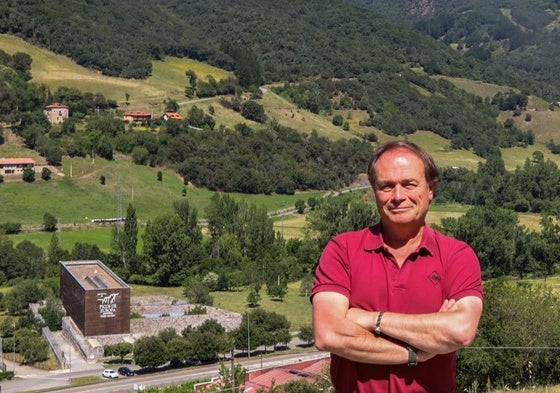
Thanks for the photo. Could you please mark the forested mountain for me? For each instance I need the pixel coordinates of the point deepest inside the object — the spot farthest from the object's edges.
(351, 58)
(517, 40)
(292, 39)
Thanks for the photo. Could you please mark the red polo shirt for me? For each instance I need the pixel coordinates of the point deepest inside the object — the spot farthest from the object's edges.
(357, 265)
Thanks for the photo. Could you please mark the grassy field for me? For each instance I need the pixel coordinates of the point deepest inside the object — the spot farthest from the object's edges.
(295, 307)
(168, 78)
(78, 197)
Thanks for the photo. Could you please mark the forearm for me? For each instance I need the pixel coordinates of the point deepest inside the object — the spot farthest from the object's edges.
(353, 342)
(451, 328)
(336, 333)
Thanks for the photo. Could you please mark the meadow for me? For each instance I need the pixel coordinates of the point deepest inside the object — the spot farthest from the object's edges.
(76, 195)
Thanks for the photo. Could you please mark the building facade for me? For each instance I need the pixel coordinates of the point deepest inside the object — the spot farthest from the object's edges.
(56, 112)
(95, 298)
(15, 166)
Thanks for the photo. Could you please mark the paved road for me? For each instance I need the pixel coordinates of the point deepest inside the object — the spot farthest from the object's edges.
(59, 381)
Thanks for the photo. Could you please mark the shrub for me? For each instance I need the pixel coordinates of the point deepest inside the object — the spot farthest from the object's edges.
(10, 228)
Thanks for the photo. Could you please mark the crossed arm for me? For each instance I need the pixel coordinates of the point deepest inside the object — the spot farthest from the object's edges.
(348, 332)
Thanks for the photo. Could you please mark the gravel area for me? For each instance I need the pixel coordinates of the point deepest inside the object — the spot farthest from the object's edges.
(152, 307)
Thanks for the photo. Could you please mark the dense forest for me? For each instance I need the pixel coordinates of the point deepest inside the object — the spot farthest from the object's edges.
(515, 39)
(510, 42)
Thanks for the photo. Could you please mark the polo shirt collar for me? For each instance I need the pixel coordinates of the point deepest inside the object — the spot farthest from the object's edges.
(374, 242)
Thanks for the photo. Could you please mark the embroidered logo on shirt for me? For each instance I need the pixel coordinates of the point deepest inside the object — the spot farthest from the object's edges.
(434, 277)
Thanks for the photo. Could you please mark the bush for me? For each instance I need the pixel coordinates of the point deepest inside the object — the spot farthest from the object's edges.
(46, 174)
(10, 228)
(6, 375)
(518, 325)
(28, 175)
(338, 120)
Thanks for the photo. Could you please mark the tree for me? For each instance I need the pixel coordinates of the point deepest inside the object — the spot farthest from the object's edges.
(49, 222)
(168, 249)
(179, 349)
(192, 78)
(119, 349)
(31, 346)
(18, 299)
(125, 239)
(197, 292)
(171, 105)
(46, 174)
(55, 254)
(265, 328)
(28, 175)
(339, 214)
(254, 297)
(52, 313)
(495, 249)
(337, 120)
(300, 206)
(150, 351)
(276, 288)
(306, 334)
(232, 379)
(251, 110)
(189, 216)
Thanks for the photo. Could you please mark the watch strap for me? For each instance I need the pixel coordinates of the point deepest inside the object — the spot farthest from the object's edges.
(377, 330)
(412, 356)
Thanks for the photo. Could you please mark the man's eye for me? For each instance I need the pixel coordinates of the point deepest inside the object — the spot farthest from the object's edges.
(411, 186)
(386, 188)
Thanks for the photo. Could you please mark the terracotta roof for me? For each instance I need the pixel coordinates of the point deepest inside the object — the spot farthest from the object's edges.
(137, 113)
(263, 379)
(174, 115)
(55, 105)
(16, 161)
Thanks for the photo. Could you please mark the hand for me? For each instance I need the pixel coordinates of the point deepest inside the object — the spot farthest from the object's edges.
(448, 306)
(363, 318)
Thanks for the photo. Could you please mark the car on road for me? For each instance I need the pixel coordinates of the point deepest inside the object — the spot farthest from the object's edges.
(126, 371)
(109, 373)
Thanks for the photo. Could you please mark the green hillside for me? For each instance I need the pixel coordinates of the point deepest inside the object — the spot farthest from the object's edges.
(85, 198)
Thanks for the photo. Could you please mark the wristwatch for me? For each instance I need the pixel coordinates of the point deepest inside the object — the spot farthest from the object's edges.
(412, 356)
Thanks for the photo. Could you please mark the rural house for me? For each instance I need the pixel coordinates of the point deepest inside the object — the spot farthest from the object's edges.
(15, 166)
(172, 116)
(136, 116)
(56, 112)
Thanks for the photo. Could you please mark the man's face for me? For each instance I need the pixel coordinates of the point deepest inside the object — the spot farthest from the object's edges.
(401, 191)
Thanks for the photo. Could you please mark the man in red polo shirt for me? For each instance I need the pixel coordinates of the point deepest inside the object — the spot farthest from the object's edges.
(393, 302)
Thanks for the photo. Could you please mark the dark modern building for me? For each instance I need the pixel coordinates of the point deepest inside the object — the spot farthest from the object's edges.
(95, 298)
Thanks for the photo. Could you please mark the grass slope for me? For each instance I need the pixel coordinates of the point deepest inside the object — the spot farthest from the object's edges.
(168, 78)
(79, 196)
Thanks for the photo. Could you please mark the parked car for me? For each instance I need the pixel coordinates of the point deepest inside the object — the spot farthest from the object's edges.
(125, 371)
(108, 373)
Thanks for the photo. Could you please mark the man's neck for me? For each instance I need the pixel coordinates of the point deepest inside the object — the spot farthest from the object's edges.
(401, 237)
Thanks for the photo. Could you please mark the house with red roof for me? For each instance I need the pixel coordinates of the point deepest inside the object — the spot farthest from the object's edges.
(56, 112)
(172, 116)
(15, 166)
(136, 116)
(265, 379)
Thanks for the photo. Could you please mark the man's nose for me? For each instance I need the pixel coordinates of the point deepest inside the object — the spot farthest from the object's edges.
(397, 192)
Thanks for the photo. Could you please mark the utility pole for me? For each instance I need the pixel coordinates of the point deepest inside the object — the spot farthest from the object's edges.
(248, 336)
